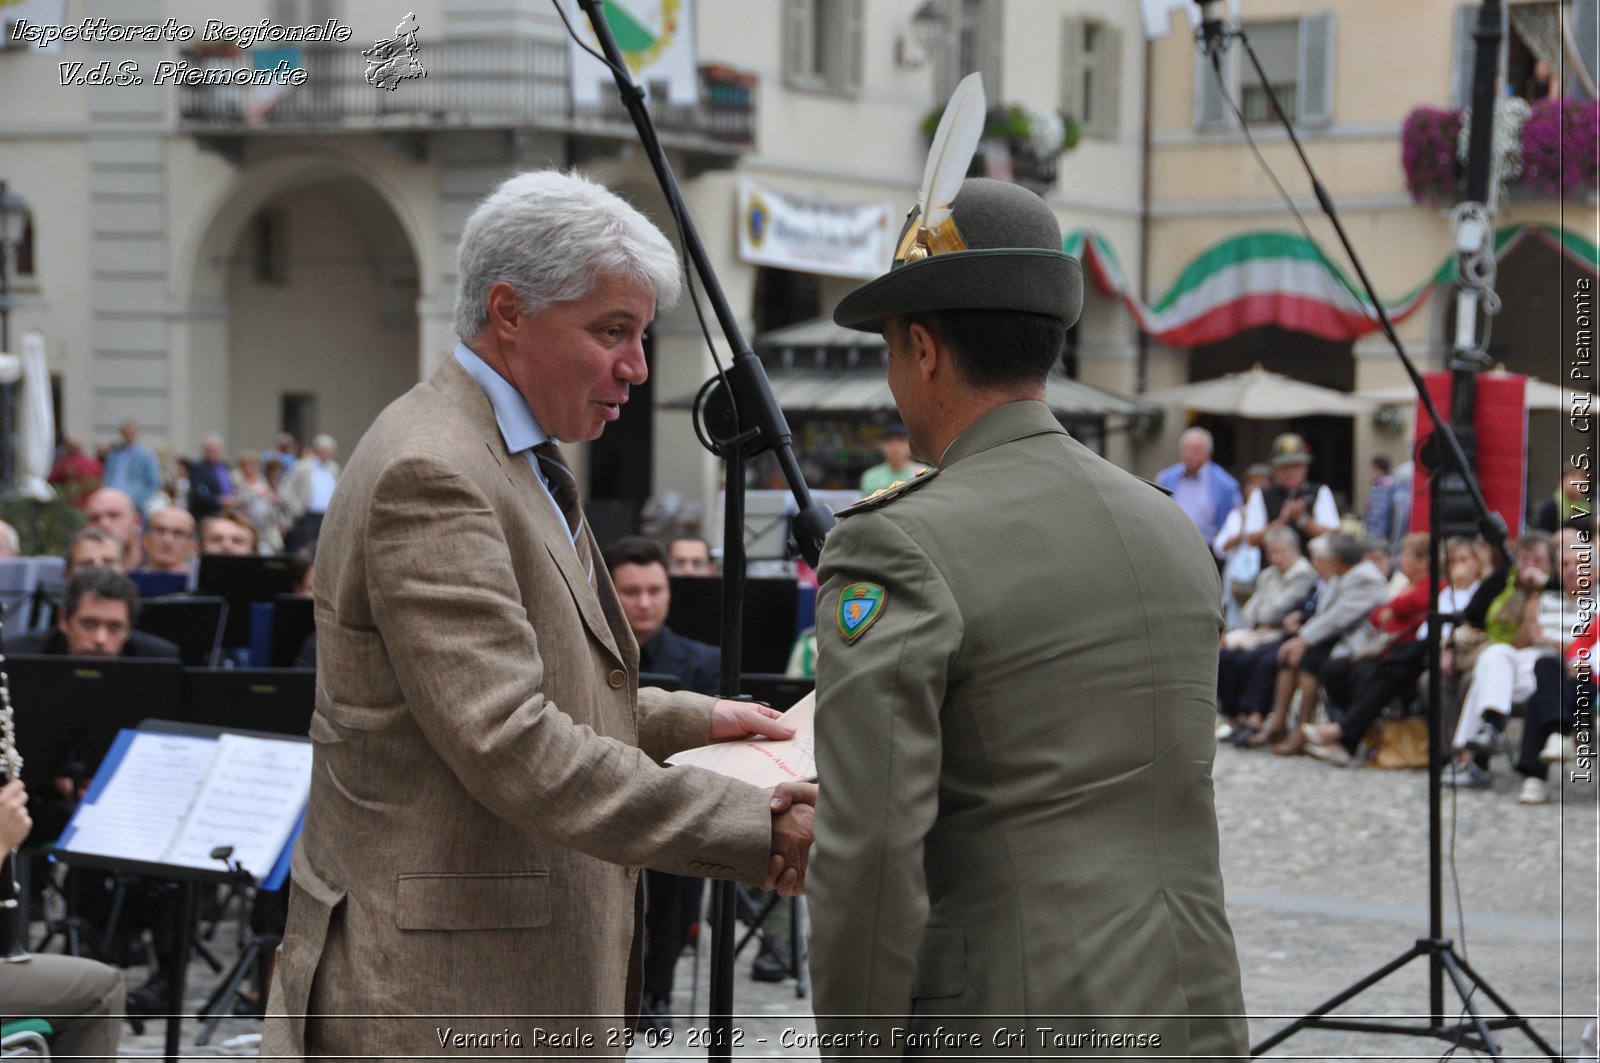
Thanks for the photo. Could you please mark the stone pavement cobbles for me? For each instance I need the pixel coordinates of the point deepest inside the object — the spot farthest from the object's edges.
(1326, 873)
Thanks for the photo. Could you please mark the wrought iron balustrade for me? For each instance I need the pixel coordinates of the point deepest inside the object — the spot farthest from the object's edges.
(469, 82)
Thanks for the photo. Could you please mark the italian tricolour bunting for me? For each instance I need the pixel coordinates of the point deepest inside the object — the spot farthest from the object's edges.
(1278, 278)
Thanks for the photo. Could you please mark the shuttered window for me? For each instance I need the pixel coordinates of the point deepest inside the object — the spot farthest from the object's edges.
(1297, 57)
(974, 46)
(1090, 74)
(822, 46)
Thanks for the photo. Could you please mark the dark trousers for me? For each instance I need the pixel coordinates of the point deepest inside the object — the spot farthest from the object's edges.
(1375, 683)
(671, 907)
(1556, 702)
(1244, 679)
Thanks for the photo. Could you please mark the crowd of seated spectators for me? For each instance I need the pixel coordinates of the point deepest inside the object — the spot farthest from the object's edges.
(1321, 652)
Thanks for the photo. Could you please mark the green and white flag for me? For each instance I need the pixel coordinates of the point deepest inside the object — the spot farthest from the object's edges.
(656, 38)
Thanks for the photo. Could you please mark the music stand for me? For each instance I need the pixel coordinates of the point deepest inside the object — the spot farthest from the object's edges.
(294, 619)
(170, 865)
(159, 584)
(267, 701)
(193, 624)
(770, 610)
(244, 581)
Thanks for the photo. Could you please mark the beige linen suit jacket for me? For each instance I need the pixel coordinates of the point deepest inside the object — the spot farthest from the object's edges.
(1016, 815)
(485, 786)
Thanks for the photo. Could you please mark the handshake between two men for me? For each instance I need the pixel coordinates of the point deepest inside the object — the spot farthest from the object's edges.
(793, 803)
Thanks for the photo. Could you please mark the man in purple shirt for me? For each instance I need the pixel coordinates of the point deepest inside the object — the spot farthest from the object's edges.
(1203, 489)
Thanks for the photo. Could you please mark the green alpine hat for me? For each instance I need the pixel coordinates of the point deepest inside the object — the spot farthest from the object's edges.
(1008, 257)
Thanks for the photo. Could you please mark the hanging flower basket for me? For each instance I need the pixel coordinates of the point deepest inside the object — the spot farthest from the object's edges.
(1559, 142)
(1556, 145)
(1428, 153)
(1036, 139)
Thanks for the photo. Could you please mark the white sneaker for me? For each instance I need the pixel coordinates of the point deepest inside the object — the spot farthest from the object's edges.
(1535, 791)
(1558, 749)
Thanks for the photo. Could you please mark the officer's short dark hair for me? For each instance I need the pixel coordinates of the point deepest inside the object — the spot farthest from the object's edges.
(634, 550)
(995, 348)
(101, 583)
(1381, 462)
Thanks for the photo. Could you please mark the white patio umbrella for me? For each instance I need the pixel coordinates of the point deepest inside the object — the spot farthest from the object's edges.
(1540, 395)
(35, 431)
(1260, 395)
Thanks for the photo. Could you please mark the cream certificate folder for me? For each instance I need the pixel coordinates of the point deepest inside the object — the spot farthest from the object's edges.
(762, 761)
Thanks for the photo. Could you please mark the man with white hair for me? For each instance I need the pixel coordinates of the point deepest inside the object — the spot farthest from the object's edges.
(1203, 489)
(308, 490)
(486, 781)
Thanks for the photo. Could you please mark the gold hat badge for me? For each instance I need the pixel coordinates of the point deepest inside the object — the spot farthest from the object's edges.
(930, 229)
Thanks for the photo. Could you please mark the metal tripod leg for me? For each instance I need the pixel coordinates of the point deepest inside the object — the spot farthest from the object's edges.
(1370, 980)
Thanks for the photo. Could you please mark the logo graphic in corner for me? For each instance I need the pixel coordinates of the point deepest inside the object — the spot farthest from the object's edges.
(392, 61)
(860, 605)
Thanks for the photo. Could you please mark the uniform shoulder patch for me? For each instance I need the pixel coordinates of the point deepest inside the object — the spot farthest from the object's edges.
(860, 605)
(883, 496)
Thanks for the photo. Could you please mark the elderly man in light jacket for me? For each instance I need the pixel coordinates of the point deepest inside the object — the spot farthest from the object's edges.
(1338, 627)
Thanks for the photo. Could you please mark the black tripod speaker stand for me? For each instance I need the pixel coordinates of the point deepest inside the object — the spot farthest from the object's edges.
(1451, 479)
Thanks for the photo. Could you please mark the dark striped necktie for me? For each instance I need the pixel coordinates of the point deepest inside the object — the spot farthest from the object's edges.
(564, 489)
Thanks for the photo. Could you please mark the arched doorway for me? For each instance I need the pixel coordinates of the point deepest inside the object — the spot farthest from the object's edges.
(302, 308)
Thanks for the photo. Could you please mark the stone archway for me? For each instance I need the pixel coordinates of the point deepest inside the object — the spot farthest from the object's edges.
(306, 274)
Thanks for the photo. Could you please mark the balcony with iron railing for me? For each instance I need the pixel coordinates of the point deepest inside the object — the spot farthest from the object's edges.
(469, 83)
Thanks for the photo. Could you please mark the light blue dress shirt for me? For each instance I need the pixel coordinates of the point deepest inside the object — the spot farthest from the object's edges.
(518, 426)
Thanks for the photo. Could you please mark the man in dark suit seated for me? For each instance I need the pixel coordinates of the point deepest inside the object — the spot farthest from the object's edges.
(638, 568)
(95, 620)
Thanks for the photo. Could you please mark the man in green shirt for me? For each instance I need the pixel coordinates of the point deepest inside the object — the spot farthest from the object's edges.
(897, 464)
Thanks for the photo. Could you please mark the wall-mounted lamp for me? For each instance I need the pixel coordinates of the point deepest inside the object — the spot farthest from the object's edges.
(913, 49)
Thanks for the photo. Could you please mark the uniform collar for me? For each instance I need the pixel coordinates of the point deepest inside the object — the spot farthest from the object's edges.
(1003, 424)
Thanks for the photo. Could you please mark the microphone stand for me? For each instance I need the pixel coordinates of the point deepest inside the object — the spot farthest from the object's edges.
(743, 420)
(1447, 460)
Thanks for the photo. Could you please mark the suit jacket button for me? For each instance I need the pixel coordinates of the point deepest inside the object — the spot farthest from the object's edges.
(617, 678)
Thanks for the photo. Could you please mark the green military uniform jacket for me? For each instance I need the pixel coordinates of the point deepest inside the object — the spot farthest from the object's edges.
(1016, 684)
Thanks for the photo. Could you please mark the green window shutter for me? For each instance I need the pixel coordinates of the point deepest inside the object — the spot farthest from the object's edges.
(796, 37)
(1465, 52)
(1071, 64)
(1209, 110)
(1315, 70)
(1111, 93)
(852, 46)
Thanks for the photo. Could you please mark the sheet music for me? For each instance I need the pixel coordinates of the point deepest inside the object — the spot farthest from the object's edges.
(173, 798)
(251, 800)
(762, 761)
(154, 786)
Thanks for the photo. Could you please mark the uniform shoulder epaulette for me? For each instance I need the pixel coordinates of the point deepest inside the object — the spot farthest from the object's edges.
(1157, 486)
(884, 495)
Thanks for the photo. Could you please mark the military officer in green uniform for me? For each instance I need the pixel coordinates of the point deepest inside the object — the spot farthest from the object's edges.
(1016, 684)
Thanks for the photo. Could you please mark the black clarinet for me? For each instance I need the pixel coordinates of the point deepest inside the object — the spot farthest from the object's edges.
(12, 949)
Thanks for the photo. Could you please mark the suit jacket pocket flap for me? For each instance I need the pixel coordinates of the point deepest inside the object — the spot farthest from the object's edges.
(942, 964)
(494, 901)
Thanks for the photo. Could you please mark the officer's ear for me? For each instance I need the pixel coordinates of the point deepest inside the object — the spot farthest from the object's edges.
(926, 350)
